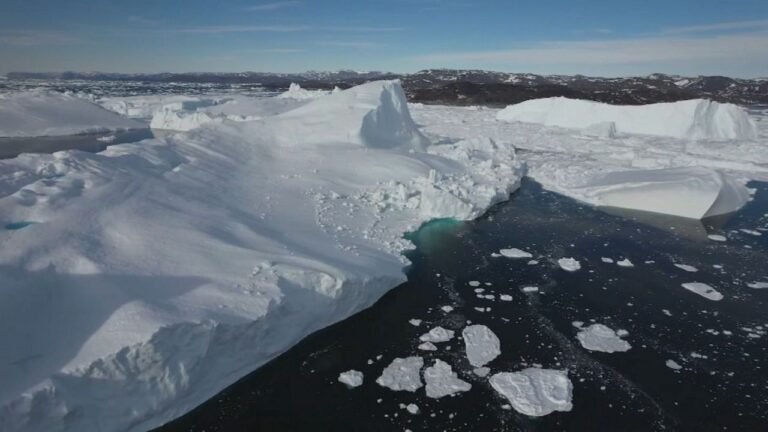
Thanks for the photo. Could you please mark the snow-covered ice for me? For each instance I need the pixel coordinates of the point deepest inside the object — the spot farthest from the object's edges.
(296, 92)
(42, 113)
(758, 285)
(673, 365)
(436, 335)
(403, 374)
(180, 264)
(515, 253)
(569, 264)
(535, 392)
(598, 337)
(692, 119)
(717, 237)
(625, 263)
(427, 346)
(703, 290)
(351, 378)
(442, 381)
(481, 344)
(686, 267)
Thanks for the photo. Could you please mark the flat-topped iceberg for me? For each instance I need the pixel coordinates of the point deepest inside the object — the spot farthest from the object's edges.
(40, 113)
(696, 119)
(690, 192)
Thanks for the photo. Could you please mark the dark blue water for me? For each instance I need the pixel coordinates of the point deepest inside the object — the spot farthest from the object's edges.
(721, 346)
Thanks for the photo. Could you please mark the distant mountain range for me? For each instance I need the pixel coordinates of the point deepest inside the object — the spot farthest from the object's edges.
(475, 87)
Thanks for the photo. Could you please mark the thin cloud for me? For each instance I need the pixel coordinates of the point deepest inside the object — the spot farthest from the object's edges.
(349, 44)
(619, 52)
(279, 29)
(723, 26)
(273, 6)
(29, 38)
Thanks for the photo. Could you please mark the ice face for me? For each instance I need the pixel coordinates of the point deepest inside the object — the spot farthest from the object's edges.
(535, 392)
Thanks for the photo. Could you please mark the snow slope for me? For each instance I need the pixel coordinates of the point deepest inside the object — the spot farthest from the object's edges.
(697, 119)
(39, 113)
(159, 272)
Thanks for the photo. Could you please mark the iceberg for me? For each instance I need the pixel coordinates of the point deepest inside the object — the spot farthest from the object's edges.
(690, 192)
(41, 113)
(697, 119)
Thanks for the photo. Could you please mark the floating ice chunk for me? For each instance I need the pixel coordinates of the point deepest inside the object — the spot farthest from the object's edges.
(691, 119)
(412, 408)
(689, 192)
(686, 267)
(673, 365)
(530, 289)
(758, 285)
(505, 297)
(436, 335)
(351, 378)
(474, 283)
(427, 346)
(515, 253)
(607, 260)
(442, 381)
(717, 237)
(703, 290)
(447, 309)
(414, 322)
(535, 392)
(751, 232)
(569, 264)
(481, 344)
(625, 263)
(403, 374)
(598, 337)
(482, 372)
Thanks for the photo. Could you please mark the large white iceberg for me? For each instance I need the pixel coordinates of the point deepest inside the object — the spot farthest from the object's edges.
(157, 273)
(40, 113)
(696, 119)
(692, 192)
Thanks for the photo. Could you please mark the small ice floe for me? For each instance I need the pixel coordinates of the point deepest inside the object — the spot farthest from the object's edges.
(758, 285)
(446, 309)
(437, 335)
(403, 374)
(427, 346)
(717, 237)
(106, 138)
(474, 283)
(530, 289)
(414, 322)
(351, 378)
(598, 337)
(688, 268)
(412, 408)
(625, 263)
(703, 290)
(533, 262)
(482, 372)
(515, 253)
(607, 260)
(535, 392)
(505, 297)
(443, 381)
(481, 344)
(751, 232)
(673, 365)
(569, 264)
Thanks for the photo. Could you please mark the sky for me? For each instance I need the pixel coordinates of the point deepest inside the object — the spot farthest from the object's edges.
(595, 37)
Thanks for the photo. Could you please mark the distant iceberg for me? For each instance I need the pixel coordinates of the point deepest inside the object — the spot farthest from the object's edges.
(696, 119)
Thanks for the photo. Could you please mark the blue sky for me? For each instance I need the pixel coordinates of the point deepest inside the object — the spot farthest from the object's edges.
(596, 37)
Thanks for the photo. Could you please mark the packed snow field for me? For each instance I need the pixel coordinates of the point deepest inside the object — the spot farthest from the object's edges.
(181, 263)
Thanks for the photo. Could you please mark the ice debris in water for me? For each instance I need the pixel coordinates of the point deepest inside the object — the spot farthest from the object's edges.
(474, 283)
(673, 365)
(688, 268)
(535, 392)
(412, 408)
(530, 289)
(703, 290)
(436, 335)
(569, 264)
(625, 263)
(607, 260)
(447, 309)
(442, 381)
(717, 237)
(505, 297)
(481, 344)
(427, 346)
(414, 322)
(758, 285)
(515, 253)
(351, 378)
(402, 374)
(598, 337)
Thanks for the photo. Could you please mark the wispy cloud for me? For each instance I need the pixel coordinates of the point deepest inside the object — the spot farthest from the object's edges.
(273, 6)
(280, 29)
(28, 38)
(349, 44)
(719, 27)
(618, 52)
(137, 19)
